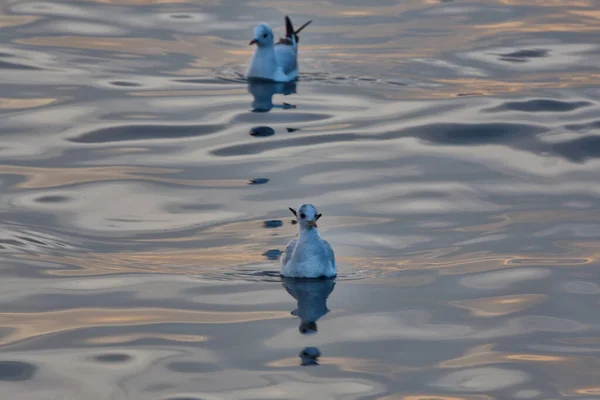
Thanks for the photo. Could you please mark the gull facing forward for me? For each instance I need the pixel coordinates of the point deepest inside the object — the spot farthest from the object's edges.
(308, 256)
(275, 61)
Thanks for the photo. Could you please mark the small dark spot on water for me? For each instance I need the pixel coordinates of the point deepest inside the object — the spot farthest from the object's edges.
(293, 221)
(52, 199)
(181, 16)
(521, 56)
(469, 94)
(258, 181)
(528, 53)
(262, 131)
(273, 223)
(290, 130)
(113, 358)
(16, 371)
(125, 84)
(287, 106)
(272, 254)
(191, 367)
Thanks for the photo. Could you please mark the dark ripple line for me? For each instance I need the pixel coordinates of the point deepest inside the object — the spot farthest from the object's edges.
(449, 134)
(8, 65)
(142, 132)
(540, 105)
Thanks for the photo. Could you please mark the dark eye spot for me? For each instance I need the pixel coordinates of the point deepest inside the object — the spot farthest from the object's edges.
(265, 35)
(302, 215)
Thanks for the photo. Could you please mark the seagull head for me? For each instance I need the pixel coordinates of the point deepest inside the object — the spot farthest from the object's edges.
(307, 216)
(263, 36)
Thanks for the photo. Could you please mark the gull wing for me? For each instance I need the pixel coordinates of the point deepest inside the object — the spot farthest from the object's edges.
(287, 253)
(286, 49)
(287, 57)
(329, 252)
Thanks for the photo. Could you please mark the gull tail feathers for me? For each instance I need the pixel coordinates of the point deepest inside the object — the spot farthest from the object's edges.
(289, 29)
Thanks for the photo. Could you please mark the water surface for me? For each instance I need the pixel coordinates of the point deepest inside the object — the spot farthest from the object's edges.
(452, 147)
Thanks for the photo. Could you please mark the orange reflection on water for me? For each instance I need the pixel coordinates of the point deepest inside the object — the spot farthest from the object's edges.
(528, 26)
(209, 50)
(543, 216)
(534, 357)
(485, 355)
(591, 390)
(54, 177)
(484, 86)
(121, 339)
(503, 305)
(330, 9)
(587, 13)
(478, 355)
(16, 20)
(450, 261)
(15, 104)
(22, 326)
(169, 261)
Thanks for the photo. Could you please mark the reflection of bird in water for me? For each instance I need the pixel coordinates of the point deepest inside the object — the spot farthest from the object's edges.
(310, 356)
(263, 92)
(311, 296)
(308, 255)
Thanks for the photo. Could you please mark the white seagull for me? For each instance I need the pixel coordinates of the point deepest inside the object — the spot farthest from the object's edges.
(308, 256)
(275, 61)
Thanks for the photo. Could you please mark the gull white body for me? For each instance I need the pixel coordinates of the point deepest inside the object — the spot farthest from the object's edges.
(273, 64)
(277, 62)
(308, 255)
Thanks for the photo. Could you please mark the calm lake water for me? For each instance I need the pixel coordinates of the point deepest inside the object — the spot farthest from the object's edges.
(453, 148)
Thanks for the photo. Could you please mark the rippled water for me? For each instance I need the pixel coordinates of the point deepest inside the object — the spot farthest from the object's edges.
(452, 147)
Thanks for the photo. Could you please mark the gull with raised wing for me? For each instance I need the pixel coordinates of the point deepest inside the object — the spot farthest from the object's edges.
(308, 255)
(272, 61)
